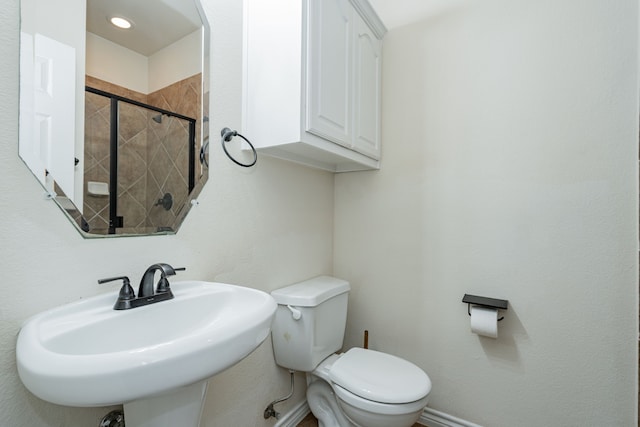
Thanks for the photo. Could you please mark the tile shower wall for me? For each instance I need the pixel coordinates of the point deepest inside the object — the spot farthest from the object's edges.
(153, 157)
(168, 154)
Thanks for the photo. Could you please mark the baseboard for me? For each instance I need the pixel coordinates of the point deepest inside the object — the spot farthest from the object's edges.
(429, 418)
(294, 416)
(432, 418)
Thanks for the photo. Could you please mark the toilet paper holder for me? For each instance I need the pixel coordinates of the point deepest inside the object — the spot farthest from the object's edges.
(500, 304)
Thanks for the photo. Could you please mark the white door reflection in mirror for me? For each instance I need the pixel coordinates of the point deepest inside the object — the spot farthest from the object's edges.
(54, 109)
(49, 112)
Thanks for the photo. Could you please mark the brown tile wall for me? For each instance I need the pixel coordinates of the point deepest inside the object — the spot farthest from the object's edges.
(168, 170)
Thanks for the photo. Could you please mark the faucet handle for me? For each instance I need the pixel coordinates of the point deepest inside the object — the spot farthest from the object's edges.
(163, 283)
(126, 292)
(113, 279)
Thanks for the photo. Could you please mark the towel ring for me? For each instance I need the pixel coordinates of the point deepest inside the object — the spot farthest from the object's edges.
(227, 135)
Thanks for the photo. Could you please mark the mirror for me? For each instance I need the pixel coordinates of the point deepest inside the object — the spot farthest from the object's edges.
(114, 121)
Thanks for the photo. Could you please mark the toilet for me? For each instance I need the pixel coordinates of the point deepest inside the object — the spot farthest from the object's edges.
(358, 388)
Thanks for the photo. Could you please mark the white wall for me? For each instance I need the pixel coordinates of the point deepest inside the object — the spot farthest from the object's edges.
(510, 156)
(113, 63)
(178, 61)
(145, 74)
(264, 228)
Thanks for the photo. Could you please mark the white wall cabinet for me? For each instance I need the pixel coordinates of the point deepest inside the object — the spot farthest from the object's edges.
(312, 81)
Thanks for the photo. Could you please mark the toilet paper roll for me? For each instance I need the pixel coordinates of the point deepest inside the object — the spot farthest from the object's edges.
(484, 321)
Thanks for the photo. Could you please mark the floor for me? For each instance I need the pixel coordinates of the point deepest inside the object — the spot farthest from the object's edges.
(310, 421)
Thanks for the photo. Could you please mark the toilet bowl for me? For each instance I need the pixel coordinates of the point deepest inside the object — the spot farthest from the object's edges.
(324, 405)
(372, 389)
(358, 388)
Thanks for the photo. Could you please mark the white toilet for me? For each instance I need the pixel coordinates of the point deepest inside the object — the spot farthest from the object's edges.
(361, 388)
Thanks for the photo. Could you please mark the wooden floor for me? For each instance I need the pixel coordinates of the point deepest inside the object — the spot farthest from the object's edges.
(310, 421)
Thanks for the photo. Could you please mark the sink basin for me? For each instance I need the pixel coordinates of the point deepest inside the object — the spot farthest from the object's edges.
(87, 354)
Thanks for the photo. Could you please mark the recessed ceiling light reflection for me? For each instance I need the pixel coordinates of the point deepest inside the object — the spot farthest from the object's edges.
(120, 22)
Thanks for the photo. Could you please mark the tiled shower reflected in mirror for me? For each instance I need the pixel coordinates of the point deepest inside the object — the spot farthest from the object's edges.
(154, 172)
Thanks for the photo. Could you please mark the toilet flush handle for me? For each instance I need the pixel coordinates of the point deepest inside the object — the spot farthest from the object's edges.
(295, 313)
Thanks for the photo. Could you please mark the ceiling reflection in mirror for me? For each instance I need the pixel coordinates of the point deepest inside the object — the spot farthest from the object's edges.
(113, 120)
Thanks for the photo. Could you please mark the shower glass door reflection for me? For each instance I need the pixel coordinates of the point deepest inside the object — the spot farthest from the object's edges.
(139, 165)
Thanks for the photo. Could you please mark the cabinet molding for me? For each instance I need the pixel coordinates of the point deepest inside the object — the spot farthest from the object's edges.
(370, 17)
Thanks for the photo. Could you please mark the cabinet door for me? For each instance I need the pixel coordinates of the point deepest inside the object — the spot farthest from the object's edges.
(367, 81)
(329, 72)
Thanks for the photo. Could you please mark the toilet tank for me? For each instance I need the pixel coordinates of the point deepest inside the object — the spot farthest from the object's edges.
(309, 323)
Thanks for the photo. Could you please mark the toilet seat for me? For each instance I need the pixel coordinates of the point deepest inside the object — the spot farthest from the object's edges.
(378, 377)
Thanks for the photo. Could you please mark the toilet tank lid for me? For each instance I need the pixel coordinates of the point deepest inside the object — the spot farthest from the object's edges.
(312, 292)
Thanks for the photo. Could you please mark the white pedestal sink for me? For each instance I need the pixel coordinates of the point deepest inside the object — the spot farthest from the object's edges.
(153, 359)
(179, 407)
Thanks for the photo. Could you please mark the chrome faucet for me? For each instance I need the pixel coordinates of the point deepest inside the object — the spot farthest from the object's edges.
(146, 294)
